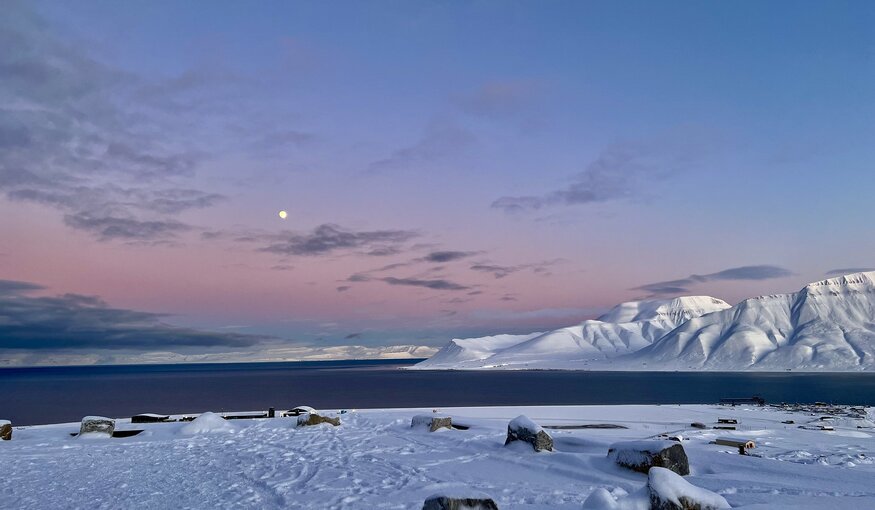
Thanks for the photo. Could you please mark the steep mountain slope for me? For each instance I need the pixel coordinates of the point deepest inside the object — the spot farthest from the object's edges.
(828, 325)
(624, 329)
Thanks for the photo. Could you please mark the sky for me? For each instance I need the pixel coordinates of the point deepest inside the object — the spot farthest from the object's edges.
(449, 168)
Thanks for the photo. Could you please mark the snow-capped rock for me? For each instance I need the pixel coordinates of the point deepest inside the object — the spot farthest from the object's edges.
(643, 455)
(669, 491)
(522, 428)
(828, 325)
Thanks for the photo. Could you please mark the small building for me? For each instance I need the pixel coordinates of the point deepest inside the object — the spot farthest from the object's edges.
(743, 445)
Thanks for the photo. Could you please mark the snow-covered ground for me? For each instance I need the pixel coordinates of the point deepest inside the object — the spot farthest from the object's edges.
(375, 460)
(827, 326)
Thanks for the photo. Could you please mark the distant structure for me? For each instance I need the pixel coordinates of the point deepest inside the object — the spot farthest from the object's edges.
(755, 400)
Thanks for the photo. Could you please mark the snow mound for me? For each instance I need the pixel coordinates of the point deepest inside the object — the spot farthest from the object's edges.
(207, 423)
(626, 328)
(617, 499)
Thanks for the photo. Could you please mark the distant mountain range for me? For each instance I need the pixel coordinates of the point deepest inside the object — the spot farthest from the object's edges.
(828, 325)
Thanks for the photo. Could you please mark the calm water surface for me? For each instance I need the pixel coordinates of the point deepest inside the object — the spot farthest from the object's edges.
(56, 394)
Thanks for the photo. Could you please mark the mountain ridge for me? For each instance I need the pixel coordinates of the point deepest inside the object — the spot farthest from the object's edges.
(828, 325)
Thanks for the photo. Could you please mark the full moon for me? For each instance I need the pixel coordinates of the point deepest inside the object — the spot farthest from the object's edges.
(283, 214)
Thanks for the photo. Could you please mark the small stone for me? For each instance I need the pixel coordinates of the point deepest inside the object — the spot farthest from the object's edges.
(432, 422)
(524, 429)
(97, 426)
(5, 430)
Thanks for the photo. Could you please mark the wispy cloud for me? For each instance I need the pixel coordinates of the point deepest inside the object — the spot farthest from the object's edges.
(330, 238)
(618, 173)
(501, 271)
(447, 256)
(81, 136)
(682, 285)
(848, 270)
(77, 322)
(438, 284)
(440, 141)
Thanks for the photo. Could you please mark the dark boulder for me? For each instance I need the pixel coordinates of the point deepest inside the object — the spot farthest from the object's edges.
(5, 430)
(642, 455)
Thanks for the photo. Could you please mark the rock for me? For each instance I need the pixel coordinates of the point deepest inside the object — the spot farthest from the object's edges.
(522, 428)
(96, 426)
(5, 430)
(669, 491)
(642, 455)
(443, 502)
(308, 419)
(432, 422)
(698, 425)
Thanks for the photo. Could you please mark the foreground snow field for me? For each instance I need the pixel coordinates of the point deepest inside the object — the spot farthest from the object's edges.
(376, 460)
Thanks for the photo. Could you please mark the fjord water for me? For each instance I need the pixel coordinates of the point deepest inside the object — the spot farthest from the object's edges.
(61, 394)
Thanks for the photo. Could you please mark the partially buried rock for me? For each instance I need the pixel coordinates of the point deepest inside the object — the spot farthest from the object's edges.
(458, 502)
(432, 422)
(96, 426)
(669, 491)
(313, 418)
(522, 428)
(642, 455)
(5, 430)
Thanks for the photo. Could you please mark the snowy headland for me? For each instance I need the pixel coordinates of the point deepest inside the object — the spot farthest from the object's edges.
(375, 459)
(827, 326)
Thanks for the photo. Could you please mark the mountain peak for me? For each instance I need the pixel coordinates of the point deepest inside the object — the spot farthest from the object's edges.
(651, 309)
(866, 278)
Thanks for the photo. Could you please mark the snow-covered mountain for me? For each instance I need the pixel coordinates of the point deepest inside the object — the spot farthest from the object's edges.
(626, 328)
(828, 325)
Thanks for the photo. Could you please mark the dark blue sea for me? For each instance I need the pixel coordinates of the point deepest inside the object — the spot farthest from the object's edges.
(59, 394)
